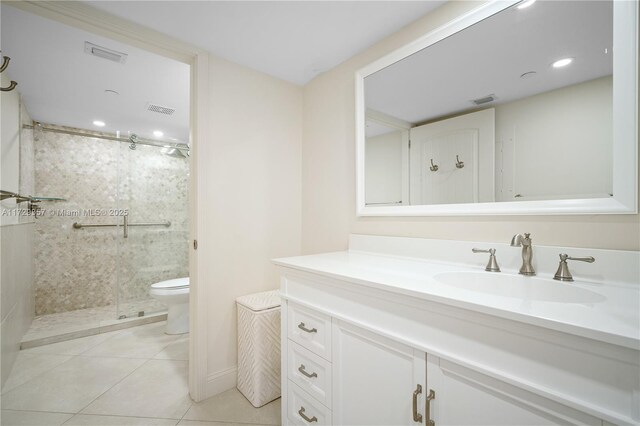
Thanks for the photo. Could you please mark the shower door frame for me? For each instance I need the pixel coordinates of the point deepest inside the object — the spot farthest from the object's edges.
(202, 384)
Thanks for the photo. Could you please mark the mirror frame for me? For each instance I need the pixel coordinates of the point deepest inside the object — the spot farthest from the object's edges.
(625, 128)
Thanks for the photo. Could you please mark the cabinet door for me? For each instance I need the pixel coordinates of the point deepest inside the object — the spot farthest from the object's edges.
(374, 379)
(466, 397)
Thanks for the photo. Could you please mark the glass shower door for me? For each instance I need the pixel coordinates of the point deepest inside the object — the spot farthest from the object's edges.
(152, 194)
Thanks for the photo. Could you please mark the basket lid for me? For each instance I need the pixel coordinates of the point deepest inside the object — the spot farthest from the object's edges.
(260, 301)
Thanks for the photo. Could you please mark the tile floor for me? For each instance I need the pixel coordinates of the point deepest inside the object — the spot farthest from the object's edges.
(136, 376)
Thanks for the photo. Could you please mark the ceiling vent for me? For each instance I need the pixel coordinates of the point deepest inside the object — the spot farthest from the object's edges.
(104, 53)
(485, 99)
(160, 109)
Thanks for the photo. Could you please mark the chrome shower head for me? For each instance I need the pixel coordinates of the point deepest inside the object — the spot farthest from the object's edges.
(174, 152)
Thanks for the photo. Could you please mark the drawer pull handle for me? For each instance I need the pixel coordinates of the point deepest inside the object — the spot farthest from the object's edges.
(417, 417)
(427, 411)
(308, 330)
(304, 372)
(304, 416)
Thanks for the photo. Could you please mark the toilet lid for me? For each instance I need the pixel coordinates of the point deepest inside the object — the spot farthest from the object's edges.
(175, 284)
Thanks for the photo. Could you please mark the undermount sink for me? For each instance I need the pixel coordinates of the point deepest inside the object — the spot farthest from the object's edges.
(518, 287)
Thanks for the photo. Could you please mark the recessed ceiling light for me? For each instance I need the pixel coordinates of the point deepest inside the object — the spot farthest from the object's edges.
(562, 62)
(99, 123)
(526, 4)
(158, 133)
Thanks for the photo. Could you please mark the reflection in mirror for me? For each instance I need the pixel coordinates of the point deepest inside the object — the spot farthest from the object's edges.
(517, 107)
(386, 158)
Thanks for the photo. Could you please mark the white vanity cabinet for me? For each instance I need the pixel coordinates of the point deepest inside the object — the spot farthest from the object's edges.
(466, 397)
(366, 368)
(355, 354)
(375, 380)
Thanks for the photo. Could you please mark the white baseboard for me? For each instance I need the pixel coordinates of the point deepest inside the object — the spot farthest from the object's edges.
(221, 381)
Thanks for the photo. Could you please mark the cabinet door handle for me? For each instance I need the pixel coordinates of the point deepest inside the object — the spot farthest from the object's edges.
(304, 372)
(427, 410)
(417, 417)
(304, 416)
(308, 330)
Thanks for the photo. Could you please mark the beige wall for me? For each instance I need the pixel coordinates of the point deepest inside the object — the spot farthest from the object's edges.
(328, 174)
(566, 158)
(249, 191)
(383, 168)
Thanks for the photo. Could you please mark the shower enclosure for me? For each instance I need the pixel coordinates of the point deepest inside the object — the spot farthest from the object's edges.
(122, 226)
(152, 196)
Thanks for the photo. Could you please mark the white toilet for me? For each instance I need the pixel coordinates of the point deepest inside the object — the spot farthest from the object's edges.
(175, 295)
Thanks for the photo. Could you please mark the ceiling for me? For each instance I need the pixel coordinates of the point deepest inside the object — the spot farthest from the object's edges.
(490, 57)
(292, 40)
(61, 84)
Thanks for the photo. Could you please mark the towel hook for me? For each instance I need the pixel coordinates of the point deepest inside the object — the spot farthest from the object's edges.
(10, 88)
(434, 167)
(5, 63)
(459, 164)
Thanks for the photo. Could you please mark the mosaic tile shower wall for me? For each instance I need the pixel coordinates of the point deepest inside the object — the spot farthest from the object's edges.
(94, 267)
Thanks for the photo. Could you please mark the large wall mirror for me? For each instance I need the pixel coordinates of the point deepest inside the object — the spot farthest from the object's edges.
(515, 108)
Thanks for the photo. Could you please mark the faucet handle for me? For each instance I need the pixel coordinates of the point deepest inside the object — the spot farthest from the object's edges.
(563, 274)
(492, 266)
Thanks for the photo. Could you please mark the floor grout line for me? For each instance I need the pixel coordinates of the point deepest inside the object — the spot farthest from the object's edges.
(72, 356)
(115, 384)
(116, 415)
(37, 411)
(144, 361)
(38, 375)
(125, 377)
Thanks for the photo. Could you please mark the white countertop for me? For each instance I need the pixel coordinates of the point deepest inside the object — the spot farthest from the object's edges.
(613, 319)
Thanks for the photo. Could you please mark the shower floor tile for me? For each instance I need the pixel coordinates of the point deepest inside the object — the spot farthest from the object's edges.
(66, 322)
(63, 326)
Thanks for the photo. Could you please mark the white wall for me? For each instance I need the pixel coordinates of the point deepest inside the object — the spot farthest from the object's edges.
(383, 168)
(10, 145)
(249, 191)
(444, 137)
(562, 141)
(17, 293)
(328, 173)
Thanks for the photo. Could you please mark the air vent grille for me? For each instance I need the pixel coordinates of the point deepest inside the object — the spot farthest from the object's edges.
(484, 100)
(160, 109)
(104, 53)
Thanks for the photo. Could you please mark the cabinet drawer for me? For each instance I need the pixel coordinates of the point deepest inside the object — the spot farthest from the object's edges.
(311, 372)
(310, 329)
(300, 405)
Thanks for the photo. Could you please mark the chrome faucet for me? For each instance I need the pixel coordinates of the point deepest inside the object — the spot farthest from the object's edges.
(563, 274)
(519, 240)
